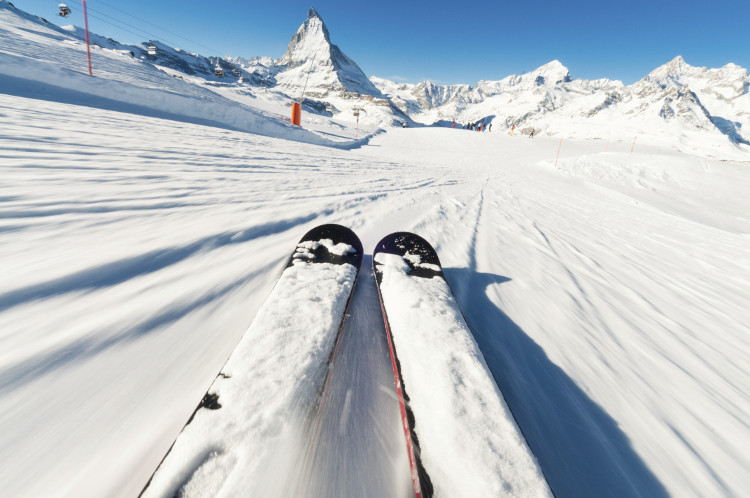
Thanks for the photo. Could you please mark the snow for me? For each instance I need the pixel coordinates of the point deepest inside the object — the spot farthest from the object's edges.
(140, 234)
(266, 390)
(469, 442)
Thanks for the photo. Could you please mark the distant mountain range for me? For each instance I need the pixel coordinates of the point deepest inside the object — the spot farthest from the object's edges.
(673, 99)
(674, 102)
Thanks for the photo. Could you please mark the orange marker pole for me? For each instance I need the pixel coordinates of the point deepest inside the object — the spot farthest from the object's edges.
(558, 152)
(296, 113)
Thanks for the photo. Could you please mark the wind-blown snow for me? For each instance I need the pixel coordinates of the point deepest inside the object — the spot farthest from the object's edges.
(609, 295)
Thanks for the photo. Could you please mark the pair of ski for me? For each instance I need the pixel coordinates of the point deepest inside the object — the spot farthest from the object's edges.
(288, 351)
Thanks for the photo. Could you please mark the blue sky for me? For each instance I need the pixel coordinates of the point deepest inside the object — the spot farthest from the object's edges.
(446, 42)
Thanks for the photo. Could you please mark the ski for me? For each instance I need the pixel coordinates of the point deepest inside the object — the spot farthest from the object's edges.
(461, 437)
(269, 391)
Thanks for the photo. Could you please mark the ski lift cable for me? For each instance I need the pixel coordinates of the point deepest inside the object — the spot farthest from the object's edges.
(101, 19)
(143, 31)
(159, 27)
(139, 32)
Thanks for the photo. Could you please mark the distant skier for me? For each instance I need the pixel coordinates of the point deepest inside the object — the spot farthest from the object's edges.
(531, 135)
(454, 123)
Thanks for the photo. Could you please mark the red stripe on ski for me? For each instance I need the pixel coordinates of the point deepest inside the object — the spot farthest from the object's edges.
(402, 406)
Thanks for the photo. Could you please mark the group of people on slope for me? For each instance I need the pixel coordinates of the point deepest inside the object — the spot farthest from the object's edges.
(480, 126)
(476, 126)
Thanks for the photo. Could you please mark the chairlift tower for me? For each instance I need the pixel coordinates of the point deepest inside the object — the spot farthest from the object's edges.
(356, 111)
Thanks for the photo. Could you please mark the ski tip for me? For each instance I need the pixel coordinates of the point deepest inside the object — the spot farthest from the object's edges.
(337, 234)
(401, 243)
(416, 252)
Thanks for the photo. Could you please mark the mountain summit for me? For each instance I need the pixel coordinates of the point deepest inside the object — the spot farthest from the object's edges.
(313, 63)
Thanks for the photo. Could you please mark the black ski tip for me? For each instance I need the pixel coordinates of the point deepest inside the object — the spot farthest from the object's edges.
(401, 243)
(338, 234)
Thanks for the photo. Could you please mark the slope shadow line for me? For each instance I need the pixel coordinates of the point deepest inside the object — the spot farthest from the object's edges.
(579, 446)
(30, 89)
(98, 342)
(116, 272)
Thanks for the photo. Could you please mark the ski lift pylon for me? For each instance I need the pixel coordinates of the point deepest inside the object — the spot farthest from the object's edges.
(64, 10)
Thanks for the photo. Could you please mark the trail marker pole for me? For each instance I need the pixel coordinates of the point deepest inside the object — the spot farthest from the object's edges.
(356, 111)
(296, 113)
(88, 45)
(633, 146)
(558, 152)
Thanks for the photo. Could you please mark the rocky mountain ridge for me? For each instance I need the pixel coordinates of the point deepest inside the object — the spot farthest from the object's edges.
(695, 99)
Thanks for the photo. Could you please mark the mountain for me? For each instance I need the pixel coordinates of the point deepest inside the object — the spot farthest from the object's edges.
(697, 94)
(671, 101)
(675, 103)
(313, 64)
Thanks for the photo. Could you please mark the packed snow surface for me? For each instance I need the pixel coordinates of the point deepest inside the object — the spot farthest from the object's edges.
(144, 220)
(469, 443)
(609, 295)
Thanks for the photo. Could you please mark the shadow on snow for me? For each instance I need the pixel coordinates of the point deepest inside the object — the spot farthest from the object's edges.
(580, 448)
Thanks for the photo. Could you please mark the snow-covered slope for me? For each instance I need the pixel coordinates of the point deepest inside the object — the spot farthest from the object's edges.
(143, 223)
(40, 59)
(609, 296)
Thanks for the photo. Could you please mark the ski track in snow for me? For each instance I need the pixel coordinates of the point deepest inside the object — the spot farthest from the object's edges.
(136, 251)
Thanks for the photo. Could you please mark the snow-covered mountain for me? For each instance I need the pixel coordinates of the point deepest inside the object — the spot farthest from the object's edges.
(313, 63)
(673, 100)
(676, 103)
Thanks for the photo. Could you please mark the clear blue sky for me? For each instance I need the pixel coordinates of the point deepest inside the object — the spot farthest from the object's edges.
(444, 41)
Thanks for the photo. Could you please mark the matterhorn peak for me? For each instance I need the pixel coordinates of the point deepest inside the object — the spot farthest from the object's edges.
(316, 65)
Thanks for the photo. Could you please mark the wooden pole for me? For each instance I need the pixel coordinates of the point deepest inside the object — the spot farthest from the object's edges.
(88, 45)
(633, 146)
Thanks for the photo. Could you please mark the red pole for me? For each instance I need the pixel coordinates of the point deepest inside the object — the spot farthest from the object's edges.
(558, 152)
(296, 113)
(88, 46)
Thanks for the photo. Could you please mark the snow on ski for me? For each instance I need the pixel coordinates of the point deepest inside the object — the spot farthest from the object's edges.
(258, 413)
(461, 436)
